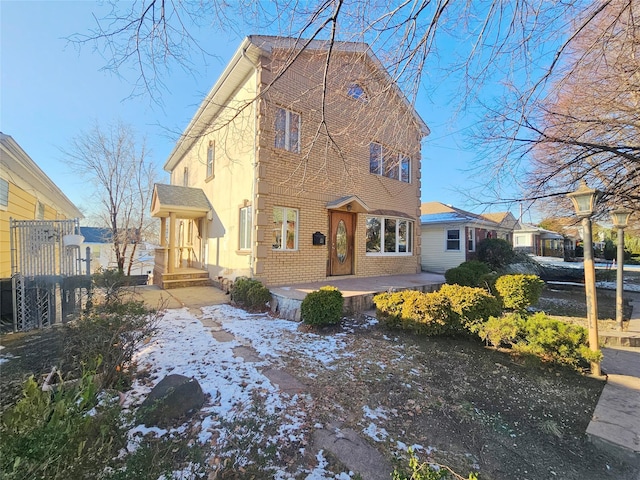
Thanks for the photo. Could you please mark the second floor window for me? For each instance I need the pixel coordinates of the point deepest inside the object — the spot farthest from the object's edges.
(210, 156)
(185, 177)
(383, 161)
(245, 228)
(287, 129)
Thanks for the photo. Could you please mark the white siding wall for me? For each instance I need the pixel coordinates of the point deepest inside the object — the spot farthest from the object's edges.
(435, 257)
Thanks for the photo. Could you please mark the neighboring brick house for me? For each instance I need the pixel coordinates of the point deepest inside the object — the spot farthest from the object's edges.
(450, 235)
(288, 175)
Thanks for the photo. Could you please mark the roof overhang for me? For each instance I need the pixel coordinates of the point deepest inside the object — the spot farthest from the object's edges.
(184, 202)
(350, 204)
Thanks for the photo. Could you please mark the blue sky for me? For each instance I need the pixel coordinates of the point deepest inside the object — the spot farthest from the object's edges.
(51, 91)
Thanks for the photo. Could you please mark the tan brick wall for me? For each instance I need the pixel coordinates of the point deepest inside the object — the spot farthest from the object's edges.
(333, 163)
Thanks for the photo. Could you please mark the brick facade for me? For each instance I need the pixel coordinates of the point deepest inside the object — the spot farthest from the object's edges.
(333, 162)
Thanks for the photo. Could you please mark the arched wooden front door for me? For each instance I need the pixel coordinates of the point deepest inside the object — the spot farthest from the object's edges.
(341, 240)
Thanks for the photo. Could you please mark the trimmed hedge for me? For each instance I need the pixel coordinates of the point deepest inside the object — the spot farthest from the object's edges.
(473, 305)
(425, 313)
(468, 274)
(250, 294)
(519, 291)
(322, 307)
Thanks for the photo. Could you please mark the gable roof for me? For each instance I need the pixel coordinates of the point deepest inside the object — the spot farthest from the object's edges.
(19, 168)
(186, 202)
(504, 219)
(243, 63)
(437, 212)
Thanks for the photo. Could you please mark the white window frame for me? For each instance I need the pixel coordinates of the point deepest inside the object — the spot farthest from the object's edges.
(471, 239)
(284, 230)
(244, 228)
(39, 210)
(4, 194)
(382, 248)
(289, 139)
(384, 156)
(447, 239)
(210, 159)
(185, 177)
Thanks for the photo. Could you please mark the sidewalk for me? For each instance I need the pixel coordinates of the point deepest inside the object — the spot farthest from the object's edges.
(615, 425)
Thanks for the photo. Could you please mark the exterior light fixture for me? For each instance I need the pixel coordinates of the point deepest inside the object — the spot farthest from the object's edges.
(584, 201)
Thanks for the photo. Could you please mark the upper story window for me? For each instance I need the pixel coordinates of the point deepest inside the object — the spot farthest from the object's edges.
(4, 194)
(185, 177)
(287, 127)
(285, 228)
(389, 236)
(383, 161)
(210, 157)
(453, 239)
(356, 92)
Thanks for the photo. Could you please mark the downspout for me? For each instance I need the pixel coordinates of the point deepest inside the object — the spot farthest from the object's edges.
(254, 247)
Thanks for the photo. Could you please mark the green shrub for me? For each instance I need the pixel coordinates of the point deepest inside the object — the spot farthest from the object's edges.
(467, 273)
(250, 294)
(499, 331)
(61, 435)
(495, 252)
(555, 341)
(110, 332)
(425, 313)
(519, 291)
(322, 307)
(473, 305)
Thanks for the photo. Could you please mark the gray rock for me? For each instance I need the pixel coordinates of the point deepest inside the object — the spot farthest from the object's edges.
(172, 399)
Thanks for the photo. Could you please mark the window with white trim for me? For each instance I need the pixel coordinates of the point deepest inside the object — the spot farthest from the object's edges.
(389, 236)
(285, 228)
(210, 157)
(388, 163)
(245, 228)
(471, 239)
(453, 240)
(4, 194)
(287, 128)
(39, 213)
(185, 177)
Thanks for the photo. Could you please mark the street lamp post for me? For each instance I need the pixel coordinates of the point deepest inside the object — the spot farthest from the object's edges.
(620, 218)
(584, 200)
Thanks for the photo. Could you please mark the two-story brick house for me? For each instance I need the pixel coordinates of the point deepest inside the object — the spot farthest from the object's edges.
(298, 166)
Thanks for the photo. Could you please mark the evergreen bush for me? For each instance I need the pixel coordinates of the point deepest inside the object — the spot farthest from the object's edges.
(495, 252)
(467, 274)
(500, 331)
(425, 313)
(322, 307)
(519, 291)
(250, 294)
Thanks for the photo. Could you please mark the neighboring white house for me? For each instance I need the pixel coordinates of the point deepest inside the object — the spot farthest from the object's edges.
(450, 235)
(538, 241)
(103, 256)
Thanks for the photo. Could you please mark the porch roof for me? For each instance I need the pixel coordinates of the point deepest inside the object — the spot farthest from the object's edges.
(350, 203)
(185, 202)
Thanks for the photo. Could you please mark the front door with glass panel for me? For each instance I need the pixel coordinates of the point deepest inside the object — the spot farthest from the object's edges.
(341, 243)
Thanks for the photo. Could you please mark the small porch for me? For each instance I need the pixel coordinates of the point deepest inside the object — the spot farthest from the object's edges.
(178, 260)
(358, 292)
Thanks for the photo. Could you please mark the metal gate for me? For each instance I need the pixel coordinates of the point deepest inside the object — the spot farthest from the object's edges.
(44, 255)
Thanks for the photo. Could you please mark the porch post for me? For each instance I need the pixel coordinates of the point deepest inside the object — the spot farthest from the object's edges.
(163, 231)
(172, 243)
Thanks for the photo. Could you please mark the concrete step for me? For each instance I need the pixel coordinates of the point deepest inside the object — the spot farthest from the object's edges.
(184, 276)
(186, 282)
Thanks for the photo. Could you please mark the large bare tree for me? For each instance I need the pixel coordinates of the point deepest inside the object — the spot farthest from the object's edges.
(122, 174)
(536, 51)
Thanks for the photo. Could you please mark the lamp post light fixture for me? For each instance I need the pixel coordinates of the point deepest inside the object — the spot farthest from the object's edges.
(584, 200)
(620, 218)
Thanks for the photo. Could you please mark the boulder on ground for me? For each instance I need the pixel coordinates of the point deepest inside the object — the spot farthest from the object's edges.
(171, 400)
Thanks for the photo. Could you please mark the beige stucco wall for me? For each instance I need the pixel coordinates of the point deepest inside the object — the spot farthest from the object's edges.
(333, 163)
(215, 241)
